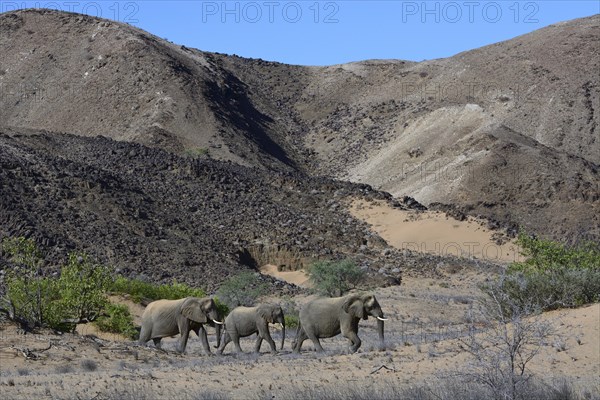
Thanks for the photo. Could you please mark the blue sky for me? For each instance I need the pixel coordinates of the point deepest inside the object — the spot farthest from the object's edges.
(311, 32)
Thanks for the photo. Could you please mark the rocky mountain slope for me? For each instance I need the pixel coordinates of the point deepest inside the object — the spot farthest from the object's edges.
(508, 131)
(150, 212)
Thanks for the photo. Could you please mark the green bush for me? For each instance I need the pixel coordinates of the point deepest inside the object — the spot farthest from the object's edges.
(117, 320)
(27, 290)
(242, 289)
(334, 278)
(34, 300)
(222, 308)
(292, 321)
(140, 290)
(82, 289)
(290, 311)
(552, 276)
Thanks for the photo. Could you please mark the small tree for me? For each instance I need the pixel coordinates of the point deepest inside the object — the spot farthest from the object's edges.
(242, 289)
(502, 351)
(82, 287)
(552, 276)
(27, 290)
(334, 278)
(118, 319)
(33, 300)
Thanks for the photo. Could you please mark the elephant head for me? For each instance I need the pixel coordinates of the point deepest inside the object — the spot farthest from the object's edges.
(203, 311)
(273, 314)
(363, 306)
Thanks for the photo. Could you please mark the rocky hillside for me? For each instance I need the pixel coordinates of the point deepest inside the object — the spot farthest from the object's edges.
(147, 211)
(508, 131)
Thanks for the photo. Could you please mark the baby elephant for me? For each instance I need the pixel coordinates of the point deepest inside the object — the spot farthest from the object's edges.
(245, 321)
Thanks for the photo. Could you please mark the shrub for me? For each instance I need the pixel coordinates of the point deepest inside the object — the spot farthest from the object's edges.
(334, 278)
(140, 290)
(27, 290)
(77, 295)
(222, 308)
(89, 365)
(552, 276)
(82, 289)
(242, 289)
(118, 319)
(501, 353)
(543, 255)
(291, 312)
(292, 321)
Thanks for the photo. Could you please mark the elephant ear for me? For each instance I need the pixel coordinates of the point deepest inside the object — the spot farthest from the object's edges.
(192, 309)
(354, 306)
(369, 301)
(265, 311)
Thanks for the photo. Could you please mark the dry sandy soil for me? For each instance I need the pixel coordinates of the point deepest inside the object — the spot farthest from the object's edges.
(87, 367)
(435, 232)
(427, 319)
(298, 277)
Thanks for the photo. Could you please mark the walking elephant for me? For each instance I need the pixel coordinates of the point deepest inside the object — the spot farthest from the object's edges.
(164, 318)
(245, 321)
(328, 317)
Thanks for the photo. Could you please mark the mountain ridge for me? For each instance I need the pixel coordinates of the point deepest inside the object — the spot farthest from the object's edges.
(423, 129)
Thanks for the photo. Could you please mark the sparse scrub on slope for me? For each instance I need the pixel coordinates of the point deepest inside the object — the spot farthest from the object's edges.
(242, 289)
(141, 291)
(552, 276)
(334, 278)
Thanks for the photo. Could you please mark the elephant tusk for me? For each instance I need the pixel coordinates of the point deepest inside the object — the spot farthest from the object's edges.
(382, 319)
(217, 322)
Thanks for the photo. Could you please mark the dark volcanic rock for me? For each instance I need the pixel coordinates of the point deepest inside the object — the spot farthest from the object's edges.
(148, 211)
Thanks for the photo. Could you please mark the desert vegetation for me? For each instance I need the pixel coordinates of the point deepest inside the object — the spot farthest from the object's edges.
(242, 289)
(551, 276)
(335, 278)
(77, 294)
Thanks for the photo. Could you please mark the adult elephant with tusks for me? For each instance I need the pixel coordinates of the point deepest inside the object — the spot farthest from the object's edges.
(164, 318)
(245, 321)
(328, 317)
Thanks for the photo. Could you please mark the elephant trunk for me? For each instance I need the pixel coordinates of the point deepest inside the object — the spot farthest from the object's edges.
(282, 332)
(380, 330)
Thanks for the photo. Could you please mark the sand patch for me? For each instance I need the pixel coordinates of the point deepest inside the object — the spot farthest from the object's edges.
(299, 277)
(434, 232)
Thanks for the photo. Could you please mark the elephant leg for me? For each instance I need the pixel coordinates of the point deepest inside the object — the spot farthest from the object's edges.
(204, 339)
(236, 341)
(354, 339)
(258, 344)
(315, 341)
(224, 342)
(300, 338)
(183, 341)
(263, 333)
(157, 343)
(144, 335)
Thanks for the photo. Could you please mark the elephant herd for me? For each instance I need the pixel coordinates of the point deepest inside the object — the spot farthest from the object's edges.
(319, 318)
